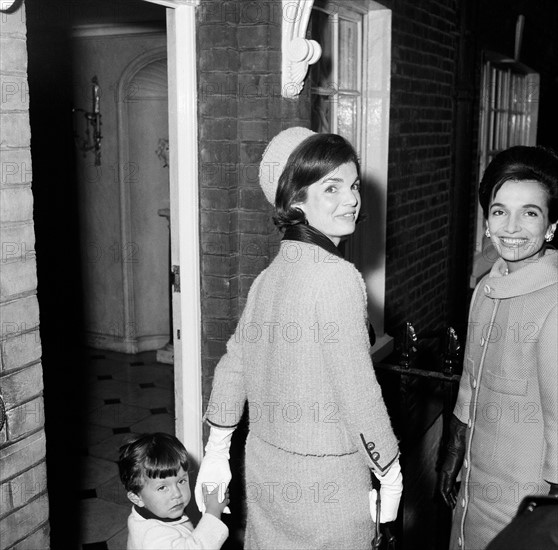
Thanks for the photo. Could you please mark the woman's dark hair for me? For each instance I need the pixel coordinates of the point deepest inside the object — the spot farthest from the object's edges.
(156, 455)
(314, 158)
(522, 163)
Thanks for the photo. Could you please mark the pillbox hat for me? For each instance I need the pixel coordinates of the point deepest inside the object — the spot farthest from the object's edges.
(275, 158)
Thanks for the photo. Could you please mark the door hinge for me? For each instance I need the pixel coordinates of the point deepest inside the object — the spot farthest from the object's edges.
(175, 278)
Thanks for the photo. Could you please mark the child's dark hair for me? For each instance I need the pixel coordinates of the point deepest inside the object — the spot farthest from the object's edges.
(155, 455)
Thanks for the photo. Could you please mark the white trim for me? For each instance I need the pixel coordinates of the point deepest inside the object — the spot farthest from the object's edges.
(375, 146)
(334, 105)
(369, 251)
(184, 204)
(111, 342)
(382, 348)
(6, 5)
(184, 207)
(297, 53)
(175, 3)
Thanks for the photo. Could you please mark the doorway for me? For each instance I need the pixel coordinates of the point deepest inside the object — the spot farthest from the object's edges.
(59, 231)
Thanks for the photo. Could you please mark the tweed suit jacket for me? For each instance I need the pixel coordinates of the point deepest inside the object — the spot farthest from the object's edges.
(301, 358)
(508, 397)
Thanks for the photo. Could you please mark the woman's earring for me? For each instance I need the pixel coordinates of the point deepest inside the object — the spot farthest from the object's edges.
(487, 232)
(549, 237)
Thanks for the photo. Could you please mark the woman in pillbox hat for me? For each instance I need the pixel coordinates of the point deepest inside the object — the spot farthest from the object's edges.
(300, 359)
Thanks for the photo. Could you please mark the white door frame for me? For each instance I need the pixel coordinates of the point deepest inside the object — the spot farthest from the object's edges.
(184, 208)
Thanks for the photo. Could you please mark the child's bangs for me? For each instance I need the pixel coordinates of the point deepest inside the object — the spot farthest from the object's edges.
(166, 464)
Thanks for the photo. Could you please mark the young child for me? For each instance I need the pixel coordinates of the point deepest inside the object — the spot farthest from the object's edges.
(154, 471)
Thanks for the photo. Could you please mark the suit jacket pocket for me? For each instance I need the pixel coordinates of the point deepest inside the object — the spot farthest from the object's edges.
(508, 386)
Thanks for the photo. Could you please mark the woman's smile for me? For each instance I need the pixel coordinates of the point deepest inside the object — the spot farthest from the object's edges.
(507, 241)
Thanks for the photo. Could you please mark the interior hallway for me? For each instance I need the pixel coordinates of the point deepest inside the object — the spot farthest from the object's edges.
(124, 394)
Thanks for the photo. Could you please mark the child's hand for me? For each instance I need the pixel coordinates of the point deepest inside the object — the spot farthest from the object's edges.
(211, 500)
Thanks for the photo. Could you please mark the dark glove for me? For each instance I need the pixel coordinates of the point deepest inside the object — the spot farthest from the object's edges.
(455, 452)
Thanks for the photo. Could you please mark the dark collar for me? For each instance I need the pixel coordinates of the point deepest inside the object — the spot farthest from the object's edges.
(308, 234)
(148, 514)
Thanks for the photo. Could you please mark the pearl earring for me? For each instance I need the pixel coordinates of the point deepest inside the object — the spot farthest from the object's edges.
(549, 237)
(487, 232)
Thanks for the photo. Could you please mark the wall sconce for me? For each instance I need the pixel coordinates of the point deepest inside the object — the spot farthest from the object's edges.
(162, 151)
(93, 137)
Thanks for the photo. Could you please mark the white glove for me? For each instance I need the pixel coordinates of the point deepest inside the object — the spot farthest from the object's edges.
(214, 469)
(390, 494)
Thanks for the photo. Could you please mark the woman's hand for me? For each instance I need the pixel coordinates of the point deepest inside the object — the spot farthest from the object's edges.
(455, 452)
(215, 471)
(390, 494)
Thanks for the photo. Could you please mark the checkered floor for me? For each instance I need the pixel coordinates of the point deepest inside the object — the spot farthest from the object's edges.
(126, 394)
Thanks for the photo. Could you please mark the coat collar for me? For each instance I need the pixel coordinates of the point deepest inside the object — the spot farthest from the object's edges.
(148, 514)
(538, 274)
(308, 234)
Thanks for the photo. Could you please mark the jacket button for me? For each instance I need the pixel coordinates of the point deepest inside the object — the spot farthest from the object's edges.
(459, 541)
(487, 289)
(465, 463)
(470, 423)
(482, 341)
(474, 382)
(463, 503)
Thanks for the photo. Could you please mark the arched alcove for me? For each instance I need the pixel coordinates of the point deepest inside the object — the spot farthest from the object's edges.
(143, 178)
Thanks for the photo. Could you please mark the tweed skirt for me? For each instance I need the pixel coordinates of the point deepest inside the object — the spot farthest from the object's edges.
(298, 502)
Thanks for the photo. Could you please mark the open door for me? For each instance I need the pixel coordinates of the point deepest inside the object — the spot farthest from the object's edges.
(184, 215)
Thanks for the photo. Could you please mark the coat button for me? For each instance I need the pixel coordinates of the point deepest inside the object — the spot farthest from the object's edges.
(474, 382)
(470, 423)
(459, 541)
(465, 463)
(463, 503)
(487, 289)
(482, 341)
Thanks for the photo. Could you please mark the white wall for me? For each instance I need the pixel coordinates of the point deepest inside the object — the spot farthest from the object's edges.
(125, 256)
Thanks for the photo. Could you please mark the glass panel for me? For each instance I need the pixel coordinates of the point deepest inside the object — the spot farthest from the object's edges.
(320, 72)
(348, 54)
(347, 118)
(321, 113)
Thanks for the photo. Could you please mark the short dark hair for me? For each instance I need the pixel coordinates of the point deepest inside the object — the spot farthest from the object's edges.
(314, 158)
(156, 455)
(522, 163)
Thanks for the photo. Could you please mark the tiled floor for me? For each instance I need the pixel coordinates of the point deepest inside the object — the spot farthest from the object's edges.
(125, 394)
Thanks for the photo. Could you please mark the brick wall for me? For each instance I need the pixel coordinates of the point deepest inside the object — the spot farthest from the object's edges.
(240, 110)
(23, 498)
(420, 161)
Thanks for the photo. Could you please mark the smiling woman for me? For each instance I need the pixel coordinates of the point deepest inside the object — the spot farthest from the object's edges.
(518, 224)
(504, 432)
(333, 203)
(518, 196)
(300, 359)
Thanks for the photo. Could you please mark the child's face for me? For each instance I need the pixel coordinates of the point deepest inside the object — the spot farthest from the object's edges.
(165, 497)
